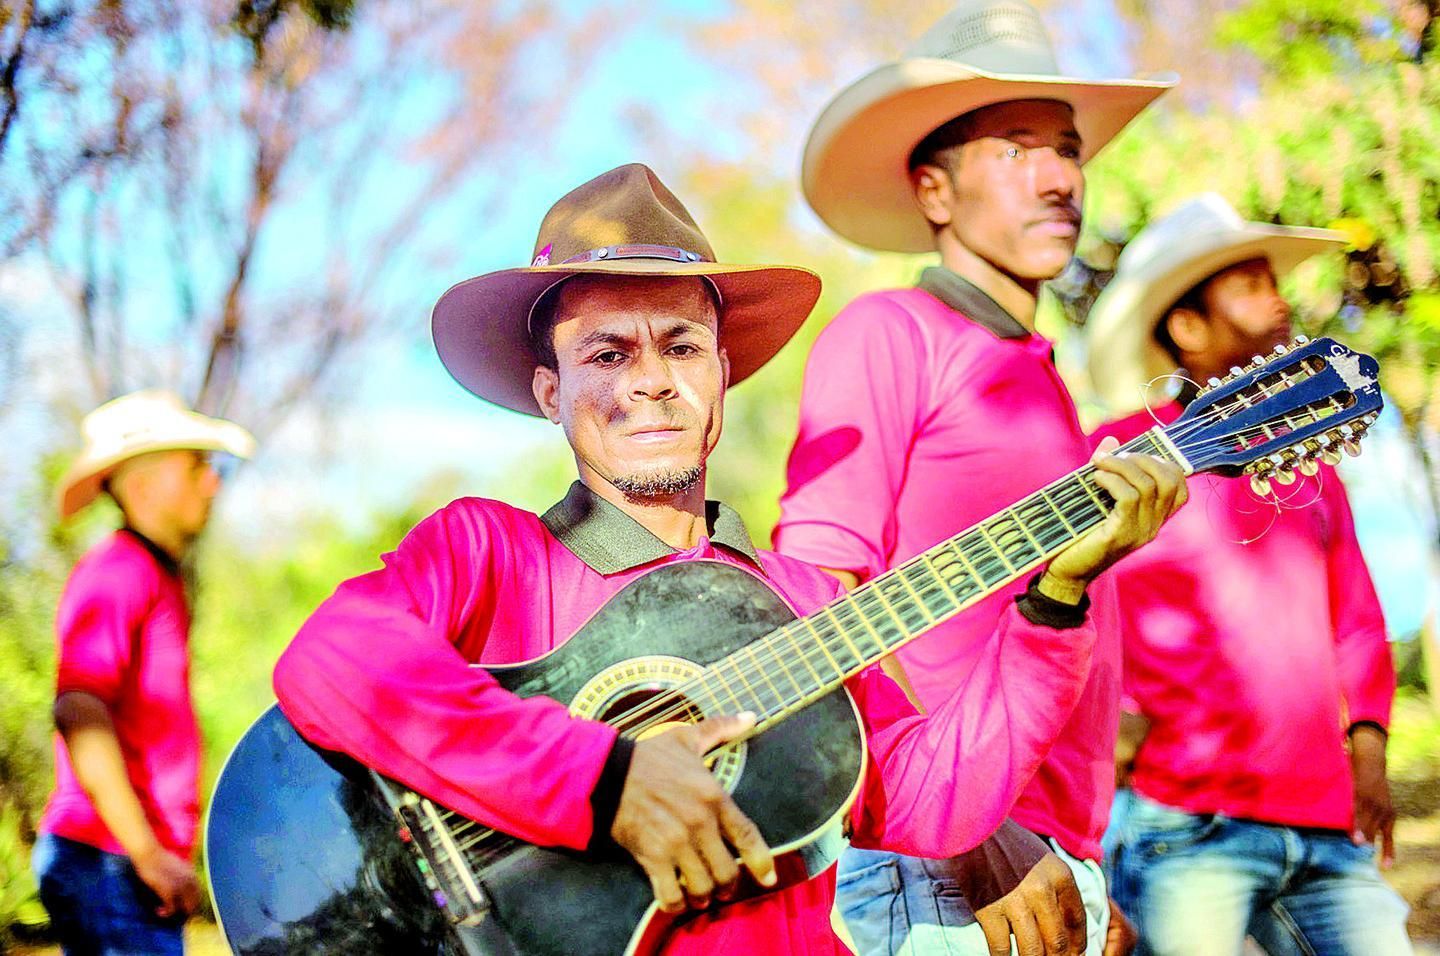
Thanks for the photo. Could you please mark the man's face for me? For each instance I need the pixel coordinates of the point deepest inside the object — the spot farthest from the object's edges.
(1017, 188)
(174, 489)
(639, 382)
(1245, 315)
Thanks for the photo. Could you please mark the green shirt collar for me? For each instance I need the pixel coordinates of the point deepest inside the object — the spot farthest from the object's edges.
(971, 301)
(610, 541)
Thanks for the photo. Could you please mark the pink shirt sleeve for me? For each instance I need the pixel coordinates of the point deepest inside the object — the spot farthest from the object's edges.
(375, 673)
(1362, 651)
(100, 616)
(858, 414)
(940, 784)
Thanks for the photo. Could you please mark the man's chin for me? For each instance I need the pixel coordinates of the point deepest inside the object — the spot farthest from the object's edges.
(654, 483)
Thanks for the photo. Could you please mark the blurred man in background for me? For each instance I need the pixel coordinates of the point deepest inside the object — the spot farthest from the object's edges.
(925, 410)
(1257, 673)
(114, 859)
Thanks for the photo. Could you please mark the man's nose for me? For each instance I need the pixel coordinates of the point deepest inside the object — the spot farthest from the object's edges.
(653, 379)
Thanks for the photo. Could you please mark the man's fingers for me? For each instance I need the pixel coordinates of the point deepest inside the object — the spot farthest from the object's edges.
(1169, 483)
(695, 876)
(1107, 447)
(711, 732)
(747, 840)
(1028, 941)
(718, 859)
(996, 929)
(1059, 938)
(665, 886)
(1387, 842)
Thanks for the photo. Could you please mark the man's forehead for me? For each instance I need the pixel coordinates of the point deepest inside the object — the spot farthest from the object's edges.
(590, 303)
(1247, 267)
(1024, 116)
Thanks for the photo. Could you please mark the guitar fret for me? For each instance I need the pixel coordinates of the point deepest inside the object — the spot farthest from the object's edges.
(955, 573)
(757, 701)
(821, 642)
(1092, 493)
(1038, 519)
(981, 556)
(941, 579)
(847, 605)
(777, 655)
(802, 653)
(905, 602)
(714, 670)
(1011, 541)
(755, 660)
(1058, 512)
(926, 590)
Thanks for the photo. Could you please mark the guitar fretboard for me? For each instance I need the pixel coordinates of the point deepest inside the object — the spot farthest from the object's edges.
(810, 657)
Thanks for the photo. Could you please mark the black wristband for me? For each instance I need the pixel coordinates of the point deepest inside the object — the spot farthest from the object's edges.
(1368, 723)
(1045, 611)
(605, 798)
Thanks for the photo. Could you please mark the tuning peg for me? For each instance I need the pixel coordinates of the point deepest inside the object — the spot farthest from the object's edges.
(1351, 447)
(1213, 382)
(1281, 350)
(1257, 360)
(1308, 466)
(1236, 371)
(1301, 340)
(1331, 456)
(1260, 485)
(1286, 475)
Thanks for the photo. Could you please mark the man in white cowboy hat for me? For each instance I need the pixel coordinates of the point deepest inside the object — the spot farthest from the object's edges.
(1255, 650)
(927, 409)
(114, 856)
(626, 332)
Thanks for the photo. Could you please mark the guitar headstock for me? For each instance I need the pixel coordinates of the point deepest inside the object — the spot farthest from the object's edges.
(1305, 403)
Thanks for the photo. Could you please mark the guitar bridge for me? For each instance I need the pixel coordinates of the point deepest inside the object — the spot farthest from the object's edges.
(453, 887)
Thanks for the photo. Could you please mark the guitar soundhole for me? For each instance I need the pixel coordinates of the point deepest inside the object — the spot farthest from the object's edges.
(645, 696)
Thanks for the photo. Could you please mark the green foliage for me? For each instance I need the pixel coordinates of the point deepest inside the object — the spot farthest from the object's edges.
(1313, 37)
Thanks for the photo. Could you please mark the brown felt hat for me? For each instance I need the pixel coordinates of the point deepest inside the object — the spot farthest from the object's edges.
(623, 222)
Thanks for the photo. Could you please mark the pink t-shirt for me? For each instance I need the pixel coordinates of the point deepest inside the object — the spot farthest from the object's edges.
(381, 671)
(124, 637)
(916, 423)
(1253, 639)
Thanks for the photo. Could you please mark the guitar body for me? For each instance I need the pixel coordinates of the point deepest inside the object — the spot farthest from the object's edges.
(304, 854)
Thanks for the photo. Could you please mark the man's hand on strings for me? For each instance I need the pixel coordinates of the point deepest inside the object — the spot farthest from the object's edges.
(680, 824)
(1146, 491)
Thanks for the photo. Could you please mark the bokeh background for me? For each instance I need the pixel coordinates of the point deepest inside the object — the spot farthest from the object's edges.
(256, 202)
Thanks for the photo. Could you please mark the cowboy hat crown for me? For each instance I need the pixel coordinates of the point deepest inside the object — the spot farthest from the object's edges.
(855, 171)
(137, 424)
(1199, 238)
(622, 222)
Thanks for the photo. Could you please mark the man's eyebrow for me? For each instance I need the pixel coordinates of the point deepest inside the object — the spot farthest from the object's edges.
(602, 337)
(1069, 134)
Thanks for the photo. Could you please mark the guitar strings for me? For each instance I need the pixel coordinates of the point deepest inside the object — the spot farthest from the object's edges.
(1072, 503)
(678, 701)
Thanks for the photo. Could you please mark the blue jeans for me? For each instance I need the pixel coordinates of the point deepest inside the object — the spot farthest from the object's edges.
(97, 905)
(896, 905)
(1196, 884)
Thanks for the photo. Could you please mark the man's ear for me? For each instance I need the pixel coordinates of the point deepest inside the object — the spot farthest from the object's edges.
(934, 193)
(724, 367)
(1189, 330)
(545, 386)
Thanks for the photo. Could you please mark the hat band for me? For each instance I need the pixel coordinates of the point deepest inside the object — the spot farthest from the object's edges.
(636, 250)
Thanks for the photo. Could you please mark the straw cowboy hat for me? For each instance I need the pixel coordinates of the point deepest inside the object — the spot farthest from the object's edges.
(134, 424)
(855, 172)
(623, 222)
(1164, 261)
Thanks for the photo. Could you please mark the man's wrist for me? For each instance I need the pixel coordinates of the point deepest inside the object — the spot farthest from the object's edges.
(1043, 609)
(1062, 590)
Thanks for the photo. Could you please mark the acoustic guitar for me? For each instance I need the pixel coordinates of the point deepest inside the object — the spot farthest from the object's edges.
(308, 852)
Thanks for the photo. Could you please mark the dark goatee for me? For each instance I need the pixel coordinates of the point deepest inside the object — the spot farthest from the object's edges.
(665, 484)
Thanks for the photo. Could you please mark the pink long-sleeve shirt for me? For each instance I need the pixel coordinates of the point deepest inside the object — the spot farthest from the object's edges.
(381, 671)
(916, 422)
(124, 636)
(1253, 640)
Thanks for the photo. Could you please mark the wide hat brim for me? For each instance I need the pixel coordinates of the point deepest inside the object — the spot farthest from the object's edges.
(84, 480)
(1123, 354)
(855, 172)
(481, 333)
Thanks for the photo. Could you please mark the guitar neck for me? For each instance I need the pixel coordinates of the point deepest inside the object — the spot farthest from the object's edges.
(810, 657)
